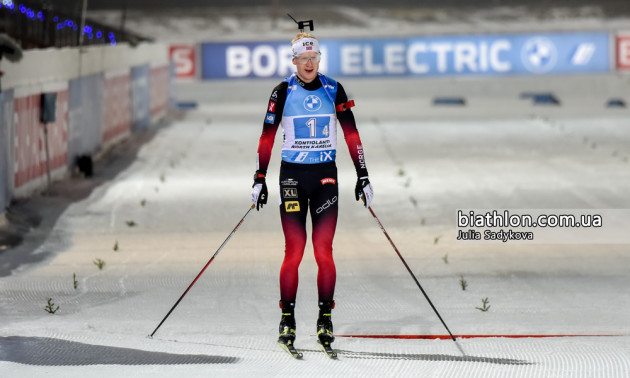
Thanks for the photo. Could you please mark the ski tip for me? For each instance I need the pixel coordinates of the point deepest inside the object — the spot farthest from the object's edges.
(290, 349)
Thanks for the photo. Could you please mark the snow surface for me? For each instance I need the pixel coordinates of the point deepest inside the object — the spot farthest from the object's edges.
(194, 178)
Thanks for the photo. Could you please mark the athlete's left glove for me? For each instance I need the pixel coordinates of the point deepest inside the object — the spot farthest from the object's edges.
(259, 191)
(364, 190)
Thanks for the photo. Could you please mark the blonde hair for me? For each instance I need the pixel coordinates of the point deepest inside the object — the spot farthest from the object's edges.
(303, 35)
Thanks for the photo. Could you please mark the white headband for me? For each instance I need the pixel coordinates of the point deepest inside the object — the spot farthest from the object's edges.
(303, 45)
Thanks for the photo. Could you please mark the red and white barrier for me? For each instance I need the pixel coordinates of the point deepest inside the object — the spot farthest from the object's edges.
(623, 51)
(158, 85)
(30, 143)
(116, 107)
(29, 78)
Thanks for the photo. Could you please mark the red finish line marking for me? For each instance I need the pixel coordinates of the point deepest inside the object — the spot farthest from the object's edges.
(447, 337)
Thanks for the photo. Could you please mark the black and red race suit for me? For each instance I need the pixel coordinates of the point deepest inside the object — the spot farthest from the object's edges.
(309, 113)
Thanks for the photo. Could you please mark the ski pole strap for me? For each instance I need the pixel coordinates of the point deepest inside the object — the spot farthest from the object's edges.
(344, 106)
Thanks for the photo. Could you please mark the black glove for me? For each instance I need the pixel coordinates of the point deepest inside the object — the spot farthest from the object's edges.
(259, 191)
(364, 190)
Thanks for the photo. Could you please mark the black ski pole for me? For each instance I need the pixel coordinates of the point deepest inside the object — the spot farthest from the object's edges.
(202, 270)
(416, 280)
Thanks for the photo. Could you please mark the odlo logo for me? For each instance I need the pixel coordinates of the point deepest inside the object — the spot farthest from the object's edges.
(328, 204)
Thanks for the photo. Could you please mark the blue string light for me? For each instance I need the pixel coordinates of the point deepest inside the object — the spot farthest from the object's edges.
(39, 15)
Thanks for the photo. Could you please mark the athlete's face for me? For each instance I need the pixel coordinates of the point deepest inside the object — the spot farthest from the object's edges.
(307, 65)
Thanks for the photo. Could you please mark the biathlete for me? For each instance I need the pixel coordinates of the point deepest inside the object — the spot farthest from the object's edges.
(308, 106)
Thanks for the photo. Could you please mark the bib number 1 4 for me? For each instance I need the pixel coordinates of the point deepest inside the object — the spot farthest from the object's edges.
(312, 127)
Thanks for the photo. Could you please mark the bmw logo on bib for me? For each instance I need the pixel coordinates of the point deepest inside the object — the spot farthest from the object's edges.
(312, 103)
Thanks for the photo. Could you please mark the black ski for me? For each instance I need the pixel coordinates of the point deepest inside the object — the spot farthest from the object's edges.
(289, 348)
(326, 348)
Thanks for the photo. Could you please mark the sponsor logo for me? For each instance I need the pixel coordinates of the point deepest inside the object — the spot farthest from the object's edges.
(583, 54)
(539, 55)
(312, 103)
(289, 182)
(301, 156)
(183, 56)
(274, 95)
(272, 107)
(328, 180)
(292, 206)
(361, 157)
(326, 205)
(325, 156)
(270, 118)
(307, 43)
(289, 192)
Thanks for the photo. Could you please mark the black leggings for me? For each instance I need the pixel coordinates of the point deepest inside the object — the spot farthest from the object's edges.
(304, 186)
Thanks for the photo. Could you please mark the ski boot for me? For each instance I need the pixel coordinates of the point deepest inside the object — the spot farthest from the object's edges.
(287, 329)
(325, 328)
(287, 322)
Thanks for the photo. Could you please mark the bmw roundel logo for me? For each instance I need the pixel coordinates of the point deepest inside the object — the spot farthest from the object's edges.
(312, 103)
(539, 55)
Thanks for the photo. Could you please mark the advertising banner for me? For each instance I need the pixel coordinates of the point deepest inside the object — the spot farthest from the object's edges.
(6, 148)
(623, 52)
(116, 107)
(159, 84)
(85, 115)
(30, 156)
(140, 97)
(183, 56)
(487, 55)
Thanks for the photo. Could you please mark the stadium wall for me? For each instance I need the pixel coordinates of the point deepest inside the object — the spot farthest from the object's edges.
(96, 104)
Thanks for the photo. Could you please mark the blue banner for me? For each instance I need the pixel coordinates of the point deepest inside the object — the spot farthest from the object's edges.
(85, 116)
(140, 97)
(486, 55)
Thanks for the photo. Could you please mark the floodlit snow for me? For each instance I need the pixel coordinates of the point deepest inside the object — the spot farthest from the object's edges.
(194, 177)
(425, 162)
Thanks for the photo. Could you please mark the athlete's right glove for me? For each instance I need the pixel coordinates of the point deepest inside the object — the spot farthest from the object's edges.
(364, 190)
(259, 191)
